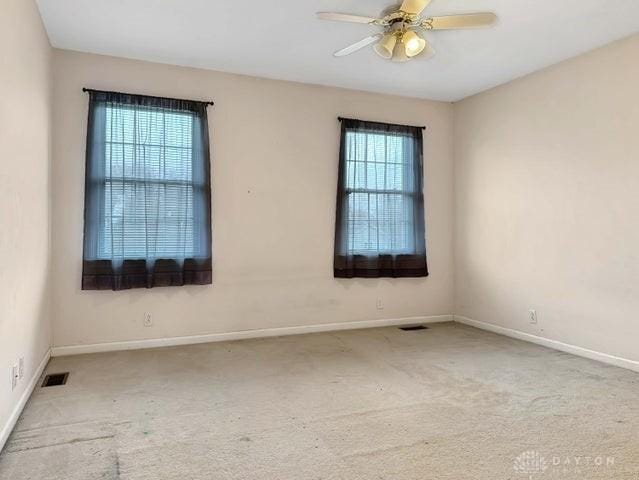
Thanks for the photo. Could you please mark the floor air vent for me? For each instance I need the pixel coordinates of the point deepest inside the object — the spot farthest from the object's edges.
(412, 328)
(55, 379)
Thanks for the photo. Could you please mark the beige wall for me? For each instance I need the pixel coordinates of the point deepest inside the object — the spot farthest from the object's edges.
(547, 202)
(274, 154)
(24, 197)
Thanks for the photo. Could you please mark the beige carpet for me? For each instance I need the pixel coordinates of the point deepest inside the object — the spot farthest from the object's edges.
(450, 402)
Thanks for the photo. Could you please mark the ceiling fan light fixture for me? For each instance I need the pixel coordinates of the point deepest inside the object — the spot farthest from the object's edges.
(402, 27)
(385, 47)
(413, 43)
(399, 53)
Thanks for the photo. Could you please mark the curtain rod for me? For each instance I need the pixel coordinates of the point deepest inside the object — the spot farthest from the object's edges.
(149, 96)
(409, 126)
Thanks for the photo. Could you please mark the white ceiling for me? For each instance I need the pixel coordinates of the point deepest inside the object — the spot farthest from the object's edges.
(282, 39)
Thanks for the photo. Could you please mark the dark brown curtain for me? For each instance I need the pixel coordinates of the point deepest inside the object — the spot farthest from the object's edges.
(147, 217)
(379, 228)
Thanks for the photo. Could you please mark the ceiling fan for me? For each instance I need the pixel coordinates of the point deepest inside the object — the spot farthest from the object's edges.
(400, 39)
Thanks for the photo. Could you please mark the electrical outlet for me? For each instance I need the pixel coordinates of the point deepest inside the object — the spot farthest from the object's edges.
(21, 368)
(148, 321)
(14, 377)
(532, 317)
(380, 304)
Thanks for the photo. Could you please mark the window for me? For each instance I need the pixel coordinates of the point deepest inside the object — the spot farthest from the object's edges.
(148, 166)
(147, 206)
(380, 216)
(380, 192)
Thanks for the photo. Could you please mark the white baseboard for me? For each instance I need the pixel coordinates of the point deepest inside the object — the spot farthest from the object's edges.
(15, 414)
(554, 344)
(241, 335)
(328, 327)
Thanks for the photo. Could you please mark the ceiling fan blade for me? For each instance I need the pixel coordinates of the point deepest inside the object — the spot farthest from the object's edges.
(358, 45)
(414, 6)
(460, 21)
(343, 17)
